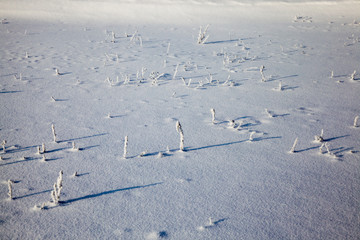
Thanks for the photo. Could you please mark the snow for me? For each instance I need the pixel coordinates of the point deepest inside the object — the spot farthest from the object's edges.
(222, 186)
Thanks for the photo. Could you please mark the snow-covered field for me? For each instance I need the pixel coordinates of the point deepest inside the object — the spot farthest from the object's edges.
(272, 70)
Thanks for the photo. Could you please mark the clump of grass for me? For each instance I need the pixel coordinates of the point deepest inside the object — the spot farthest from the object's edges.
(202, 37)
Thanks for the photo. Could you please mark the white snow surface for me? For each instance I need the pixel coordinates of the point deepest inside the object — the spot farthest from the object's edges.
(222, 186)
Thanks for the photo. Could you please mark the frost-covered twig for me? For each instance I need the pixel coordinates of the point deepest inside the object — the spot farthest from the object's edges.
(74, 148)
(212, 110)
(55, 194)
(352, 77)
(125, 146)
(330, 154)
(38, 150)
(280, 88)
(175, 72)
(181, 132)
(292, 150)
(202, 37)
(168, 49)
(251, 137)
(263, 79)
(320, 138)
(54, 133)
(43, 149)
(3, 146)
(10, 193)
(269, 113)
(355, 121)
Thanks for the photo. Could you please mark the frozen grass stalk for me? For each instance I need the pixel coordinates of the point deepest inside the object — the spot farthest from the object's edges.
(125, 146)
(292, 150)
(263, 79)
(55, 194)
(3, 146)
(321, 137)
(251, 137)
(38, 150)
(356, 121)
(213, 115)
(53, 132)
(202, 37)
(43, 150)
(74, 148)
(352, 77)
(175, 72)
(269, 113)
(10, 193)
(181, 132)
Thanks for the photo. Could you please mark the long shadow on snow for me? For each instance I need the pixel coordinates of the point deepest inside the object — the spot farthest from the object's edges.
(73, 139)
(33, 194)
(20, 161)
(108, 192)
(222, 41)
(334, 138)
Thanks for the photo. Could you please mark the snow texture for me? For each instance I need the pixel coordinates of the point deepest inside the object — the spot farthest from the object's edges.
(102, 70)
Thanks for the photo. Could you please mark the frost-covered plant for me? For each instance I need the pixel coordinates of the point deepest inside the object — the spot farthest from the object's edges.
(55, 194)
(231, 124)
(210, 79)
(38, 150)
(269, 113)
(212, 110)
(74, 148)
(202, 37)
(43, 158)
(143, 154)
(143, 70)
(53, 132)
(175, 72)
(183, 79)
(352, 77)
(320, 138)
(53, 99)
(332, 74)
(251, 136)
(189, 82)
(211, 222)
(330, 154)
(280, 88)
(3, 146)
(181, 132)
(321, 148)
(168, 49)
(160, 155)
(263, 79)
(125, 146)
(75, 174)
(10, 193)
(292, 150)
(356, 121)
(43, 150)
(57, 71)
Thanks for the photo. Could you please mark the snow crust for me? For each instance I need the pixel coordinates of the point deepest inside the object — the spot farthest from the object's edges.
(102, 70)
